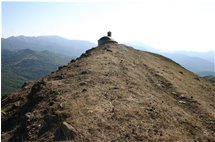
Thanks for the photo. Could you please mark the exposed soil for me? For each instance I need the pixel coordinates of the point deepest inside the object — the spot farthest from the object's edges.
(113, 93)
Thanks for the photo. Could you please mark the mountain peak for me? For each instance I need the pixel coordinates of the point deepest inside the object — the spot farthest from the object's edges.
(112, 93)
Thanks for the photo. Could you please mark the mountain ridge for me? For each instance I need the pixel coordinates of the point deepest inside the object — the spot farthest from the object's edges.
(113, 93)
(55, 44)
(202, 63)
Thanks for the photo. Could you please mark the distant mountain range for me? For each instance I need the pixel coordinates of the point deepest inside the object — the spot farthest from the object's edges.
(30, 58)
(210, 78)
(201, 63)
(197, 65)
(54, 44)
(26, 58)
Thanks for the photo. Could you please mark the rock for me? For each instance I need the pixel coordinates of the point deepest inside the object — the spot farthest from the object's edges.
(17, 104)
(77, 66)
(29, 116)
(181, 72)
(109, 50)
(61, 67)
(182, 102)
(59, 77)
(106, 74)
(84, 72)
(182, 97)
(51, 103)
(162, 84)
(61, 105)
(84, 55)
(25, 85)
(69, 132)
(174, 93)
(73, 60)
(211, 122)
(82, 83)
(115, 87)
(37, 87)
(50, 118)
(3, 112)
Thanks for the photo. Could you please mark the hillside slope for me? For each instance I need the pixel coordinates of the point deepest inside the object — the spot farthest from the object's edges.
(20, 66)
(113, 93)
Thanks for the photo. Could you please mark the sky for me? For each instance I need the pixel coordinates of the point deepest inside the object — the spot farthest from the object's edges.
(169, 25)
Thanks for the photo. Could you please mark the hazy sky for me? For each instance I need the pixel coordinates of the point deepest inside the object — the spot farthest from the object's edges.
(163, 24)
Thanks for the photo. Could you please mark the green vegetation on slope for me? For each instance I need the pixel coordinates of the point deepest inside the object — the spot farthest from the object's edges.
(20, 66)
(10, 81)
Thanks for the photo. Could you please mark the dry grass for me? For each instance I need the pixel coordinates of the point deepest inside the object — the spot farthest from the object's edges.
(116, 93)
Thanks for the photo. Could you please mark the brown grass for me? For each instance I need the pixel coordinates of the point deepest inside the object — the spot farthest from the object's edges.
(116, 93)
